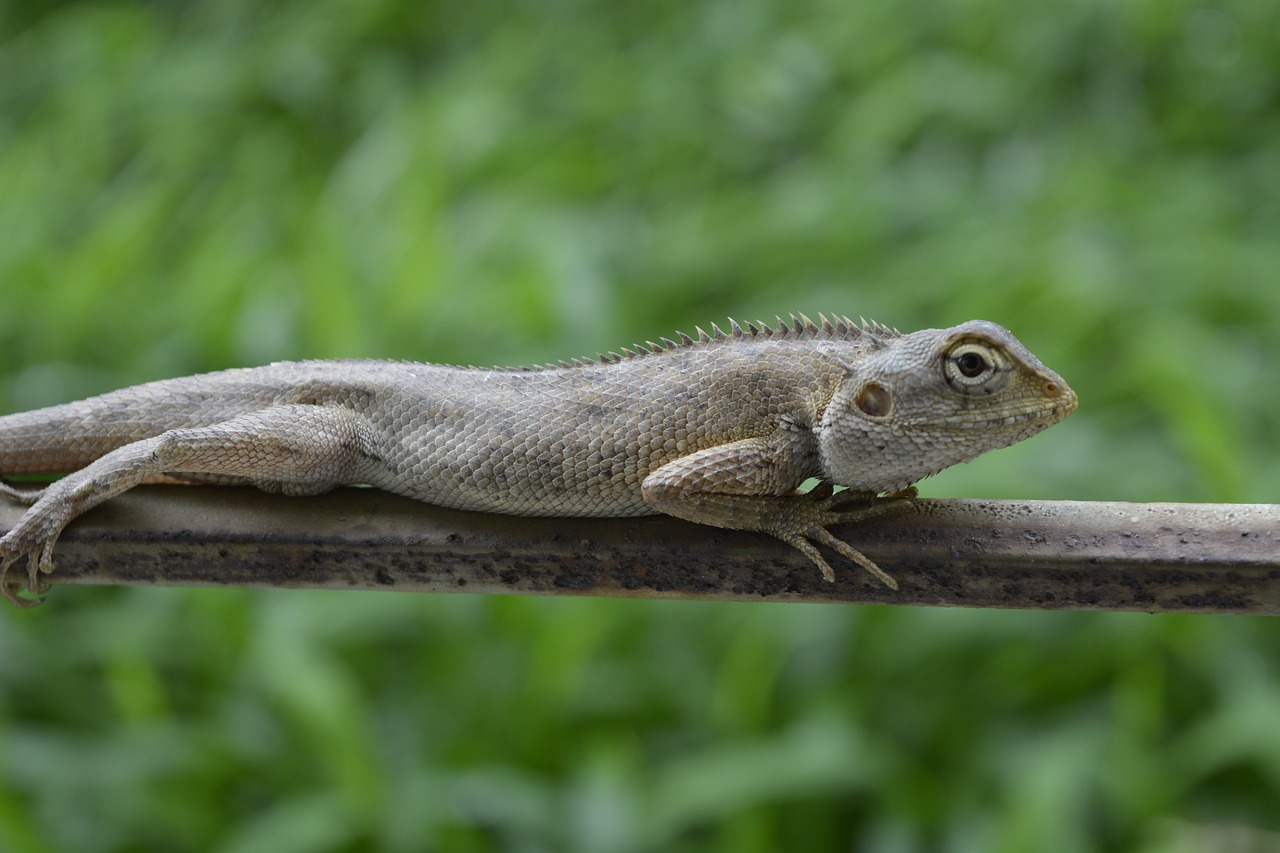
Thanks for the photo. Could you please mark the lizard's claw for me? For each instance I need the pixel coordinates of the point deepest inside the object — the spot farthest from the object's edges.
(11, 587)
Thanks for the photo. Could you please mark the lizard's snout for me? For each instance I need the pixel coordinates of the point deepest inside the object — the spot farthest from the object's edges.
(1059, 394)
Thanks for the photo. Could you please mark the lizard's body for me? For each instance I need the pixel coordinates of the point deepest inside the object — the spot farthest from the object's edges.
(721, 429)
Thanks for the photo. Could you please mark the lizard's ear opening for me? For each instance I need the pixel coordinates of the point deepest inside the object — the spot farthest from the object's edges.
(874, 400)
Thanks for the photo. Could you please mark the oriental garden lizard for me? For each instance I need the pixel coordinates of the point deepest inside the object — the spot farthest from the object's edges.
(720, 428)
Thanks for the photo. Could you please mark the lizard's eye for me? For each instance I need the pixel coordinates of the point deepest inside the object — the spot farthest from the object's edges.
(969, 365)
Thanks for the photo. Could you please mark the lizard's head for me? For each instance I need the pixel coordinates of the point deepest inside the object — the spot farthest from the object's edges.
(921, 402)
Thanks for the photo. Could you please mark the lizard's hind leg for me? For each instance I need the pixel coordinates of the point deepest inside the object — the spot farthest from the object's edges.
(297, 449)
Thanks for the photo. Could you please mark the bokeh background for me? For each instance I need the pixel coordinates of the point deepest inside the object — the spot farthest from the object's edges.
(197, 185)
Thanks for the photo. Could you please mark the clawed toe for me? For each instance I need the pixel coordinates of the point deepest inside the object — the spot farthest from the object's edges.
(832, 504)
(11, 587)
(12, 593)
(39, 562)
(848, 505)
(862, 509)
(832, 507)
(804, 546)
(847, 550)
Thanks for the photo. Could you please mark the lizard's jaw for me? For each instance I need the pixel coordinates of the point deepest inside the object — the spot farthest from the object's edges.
(888, 457)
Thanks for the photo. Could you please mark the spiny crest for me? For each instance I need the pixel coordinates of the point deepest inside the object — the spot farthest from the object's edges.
(797, 327)
(794, 327)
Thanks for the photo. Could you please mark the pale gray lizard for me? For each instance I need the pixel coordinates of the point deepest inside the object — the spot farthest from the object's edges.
(721, 428)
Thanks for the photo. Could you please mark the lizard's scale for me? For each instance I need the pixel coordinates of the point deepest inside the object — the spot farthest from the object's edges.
(719, 428)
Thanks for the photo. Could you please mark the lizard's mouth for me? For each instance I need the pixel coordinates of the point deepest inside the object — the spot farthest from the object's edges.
(1062, 403)
(1049, 416)
(1045, 416)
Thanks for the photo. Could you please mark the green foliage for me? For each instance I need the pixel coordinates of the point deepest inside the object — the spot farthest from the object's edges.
(196, 185)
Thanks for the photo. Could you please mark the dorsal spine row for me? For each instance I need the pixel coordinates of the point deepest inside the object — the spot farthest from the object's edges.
(799, 327)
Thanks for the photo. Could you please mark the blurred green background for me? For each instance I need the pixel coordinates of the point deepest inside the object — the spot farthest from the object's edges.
(197, 185)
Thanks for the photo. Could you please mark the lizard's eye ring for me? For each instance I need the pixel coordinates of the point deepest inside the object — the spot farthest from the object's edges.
(970, 365)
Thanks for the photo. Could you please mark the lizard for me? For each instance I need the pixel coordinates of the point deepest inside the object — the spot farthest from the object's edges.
(722, 428)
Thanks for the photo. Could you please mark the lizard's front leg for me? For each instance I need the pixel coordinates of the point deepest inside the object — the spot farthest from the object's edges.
(293, 449)
(751, 485)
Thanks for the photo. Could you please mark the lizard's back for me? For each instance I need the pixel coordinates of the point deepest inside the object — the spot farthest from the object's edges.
(580, 440)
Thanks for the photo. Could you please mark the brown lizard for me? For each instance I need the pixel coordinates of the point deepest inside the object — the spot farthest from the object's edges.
(721, 429)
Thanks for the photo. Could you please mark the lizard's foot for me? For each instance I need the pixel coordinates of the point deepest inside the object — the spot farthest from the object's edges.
(39, 555)
(823, 506)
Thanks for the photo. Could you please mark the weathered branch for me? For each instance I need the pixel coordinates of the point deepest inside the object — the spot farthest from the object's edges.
(1203, 558)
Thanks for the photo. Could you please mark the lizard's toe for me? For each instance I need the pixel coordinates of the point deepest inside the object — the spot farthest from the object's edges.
(11, 587)
(33, 571)
(12, 593)
(45, 563)
(847, 505)
(846, 550)
(838, 511)
(804, 546)
(39, 559)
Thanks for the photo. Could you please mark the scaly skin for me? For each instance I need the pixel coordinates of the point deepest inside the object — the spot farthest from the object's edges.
(721, 429)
